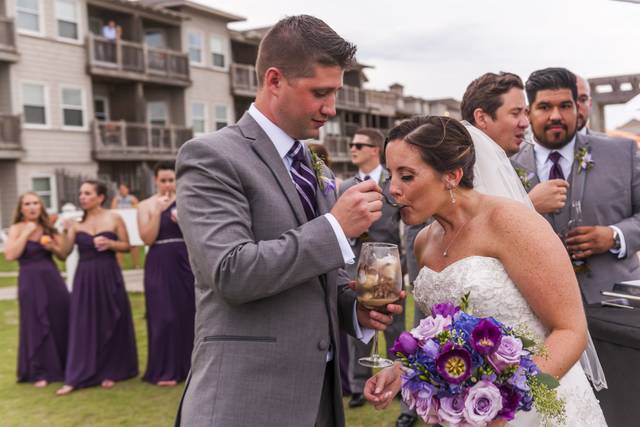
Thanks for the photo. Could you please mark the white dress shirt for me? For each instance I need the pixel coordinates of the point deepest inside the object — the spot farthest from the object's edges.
(375, 174)
(283, 144)
(543, 166)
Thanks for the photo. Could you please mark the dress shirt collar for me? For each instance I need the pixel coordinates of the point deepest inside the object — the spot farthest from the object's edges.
(278, 137)
(374, 174)
(542, 153)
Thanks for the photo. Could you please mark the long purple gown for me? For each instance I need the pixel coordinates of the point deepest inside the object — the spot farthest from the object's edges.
(44, 316)
(170, 304)
(102, 344)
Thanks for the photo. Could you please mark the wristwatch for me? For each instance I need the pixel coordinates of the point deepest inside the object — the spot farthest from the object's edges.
(616, 240)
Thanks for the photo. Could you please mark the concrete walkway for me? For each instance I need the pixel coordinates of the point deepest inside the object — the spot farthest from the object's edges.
(133, 280)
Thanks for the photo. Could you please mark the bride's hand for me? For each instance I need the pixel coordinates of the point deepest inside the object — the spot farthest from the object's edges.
(500, 422)
(382, 387)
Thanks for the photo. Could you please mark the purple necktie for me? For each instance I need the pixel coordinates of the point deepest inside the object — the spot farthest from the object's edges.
(556, 170)
(304, 179)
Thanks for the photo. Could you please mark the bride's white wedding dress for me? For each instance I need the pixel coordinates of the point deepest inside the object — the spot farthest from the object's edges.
(494, 294)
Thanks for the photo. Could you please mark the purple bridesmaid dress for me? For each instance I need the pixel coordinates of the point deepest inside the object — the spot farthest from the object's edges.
(170, 304)
(102, 342)
(44, 316)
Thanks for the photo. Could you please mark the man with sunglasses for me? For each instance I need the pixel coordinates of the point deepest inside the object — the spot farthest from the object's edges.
(366, 152)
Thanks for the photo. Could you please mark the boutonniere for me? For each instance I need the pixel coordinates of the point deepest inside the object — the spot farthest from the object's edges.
(525, 177)
(326, 184)
(584, 159)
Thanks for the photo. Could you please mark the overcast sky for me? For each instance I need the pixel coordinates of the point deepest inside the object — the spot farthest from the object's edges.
(435, 48)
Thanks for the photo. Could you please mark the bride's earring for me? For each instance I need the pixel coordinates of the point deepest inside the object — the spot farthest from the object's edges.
(452, 195)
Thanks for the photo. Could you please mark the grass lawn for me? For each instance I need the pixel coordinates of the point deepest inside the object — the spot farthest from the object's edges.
(129, 403)
(8, 266)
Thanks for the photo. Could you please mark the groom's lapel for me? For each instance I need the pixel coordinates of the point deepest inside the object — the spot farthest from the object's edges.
(321, 199)
(265, 149)
(527, 159)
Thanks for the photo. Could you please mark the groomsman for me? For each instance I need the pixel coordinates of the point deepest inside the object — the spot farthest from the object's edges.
(366, 151)
(583, 104)
(604, 177)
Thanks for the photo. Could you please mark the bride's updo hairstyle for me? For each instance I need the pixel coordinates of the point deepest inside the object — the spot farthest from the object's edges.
(443, 143)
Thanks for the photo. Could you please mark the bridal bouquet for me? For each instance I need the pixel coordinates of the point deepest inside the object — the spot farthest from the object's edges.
(461, 370)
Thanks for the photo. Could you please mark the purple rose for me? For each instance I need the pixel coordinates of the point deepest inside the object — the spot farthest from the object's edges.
(430, 348)
(405, 344)
(510, 402)
(454, 365)
(425, 403)
(451, 409)
(486, 337)
(508, 353)
(430, 326)
(482, 404)
(408, 395)
(444, 309)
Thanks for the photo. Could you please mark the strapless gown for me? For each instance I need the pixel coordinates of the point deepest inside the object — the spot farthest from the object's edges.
(493, 294)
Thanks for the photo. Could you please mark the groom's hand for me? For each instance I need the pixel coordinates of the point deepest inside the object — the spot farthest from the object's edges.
(549, 196)
(358, 208)
(376, 320)
(582, 242)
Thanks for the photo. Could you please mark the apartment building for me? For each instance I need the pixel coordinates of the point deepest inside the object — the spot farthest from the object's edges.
(104, 88)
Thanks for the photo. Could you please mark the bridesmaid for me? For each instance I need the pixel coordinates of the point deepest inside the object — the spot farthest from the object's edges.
(168, 284)
(42, 294)
(102, 345)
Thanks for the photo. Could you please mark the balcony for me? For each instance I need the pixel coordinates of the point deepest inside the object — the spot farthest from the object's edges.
(126, 60)
(244, 80)
(350, 97)
(383, 103)
(137, 141)
(338, 147)
(10, 145)
(8, 51)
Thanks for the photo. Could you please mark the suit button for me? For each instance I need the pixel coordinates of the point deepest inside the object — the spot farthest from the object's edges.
(323, 345)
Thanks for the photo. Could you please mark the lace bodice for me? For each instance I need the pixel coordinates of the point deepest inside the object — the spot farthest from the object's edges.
(493, 294)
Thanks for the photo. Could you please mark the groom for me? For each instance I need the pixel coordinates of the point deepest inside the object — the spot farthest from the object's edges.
(267, 241)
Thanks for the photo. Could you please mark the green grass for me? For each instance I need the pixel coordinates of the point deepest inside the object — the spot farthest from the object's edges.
(7, 282)
(129, 403)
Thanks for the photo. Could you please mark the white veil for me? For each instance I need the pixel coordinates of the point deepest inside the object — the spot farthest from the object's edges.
(493, 174)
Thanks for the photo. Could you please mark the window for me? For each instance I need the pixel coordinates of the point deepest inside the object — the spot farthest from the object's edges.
(195, 47)
(28, 15)
(34, 103)
(198, 117)
(44, 186)
(222, 116)
(157, 113)
(155, 38)
(101, 108)
(218, 58)
(72, 104)
(67, 19)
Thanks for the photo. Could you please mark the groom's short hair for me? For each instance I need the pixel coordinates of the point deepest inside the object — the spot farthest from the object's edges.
(552, 78)
(486, 92)
(295, 45)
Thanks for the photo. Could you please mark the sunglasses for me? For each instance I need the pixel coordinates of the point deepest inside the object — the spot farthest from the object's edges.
(359, 145)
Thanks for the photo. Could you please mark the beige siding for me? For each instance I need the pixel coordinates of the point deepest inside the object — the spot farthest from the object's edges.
(56, 146)
(210, 86)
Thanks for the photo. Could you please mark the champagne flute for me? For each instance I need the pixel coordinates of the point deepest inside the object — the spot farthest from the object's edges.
(379, 282)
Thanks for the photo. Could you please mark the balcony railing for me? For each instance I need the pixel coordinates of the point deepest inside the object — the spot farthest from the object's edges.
(338, 147)
(137, 141)
(244, 79)
(8, 51)
(384, 102)
(351, 97)
(10, 143)
(124, 59)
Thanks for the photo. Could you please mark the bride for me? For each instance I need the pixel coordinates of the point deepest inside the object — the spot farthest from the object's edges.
(502, 252)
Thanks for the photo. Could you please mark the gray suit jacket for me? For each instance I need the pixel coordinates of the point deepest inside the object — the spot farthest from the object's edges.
(386, 229)
(269, 285)
(610, 195)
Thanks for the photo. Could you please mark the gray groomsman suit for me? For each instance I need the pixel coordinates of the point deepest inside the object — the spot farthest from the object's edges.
(270, 288)
(610, 196)
(386, 230)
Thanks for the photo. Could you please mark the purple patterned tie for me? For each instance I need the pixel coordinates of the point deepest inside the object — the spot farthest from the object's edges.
(556, 170)
(304, 179)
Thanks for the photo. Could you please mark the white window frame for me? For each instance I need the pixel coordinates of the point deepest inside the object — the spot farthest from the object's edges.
(224, 51)
(53, 190)
(40, 32)
(215, 117)
(47, 105)
(78, 24)
(83, 108)
(107, 107)
(166, 107)
(204, 117)
(202, 49)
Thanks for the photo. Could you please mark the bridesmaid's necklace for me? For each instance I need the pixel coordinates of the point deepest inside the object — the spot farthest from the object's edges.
(445, 253)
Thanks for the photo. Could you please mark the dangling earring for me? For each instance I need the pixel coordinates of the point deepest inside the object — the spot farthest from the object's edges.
(452, 195)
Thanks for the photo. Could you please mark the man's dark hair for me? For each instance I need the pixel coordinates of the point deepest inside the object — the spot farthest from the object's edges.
(486, 92)
(375, 136)
(164, 165)
(551, 79)
(295, 45)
